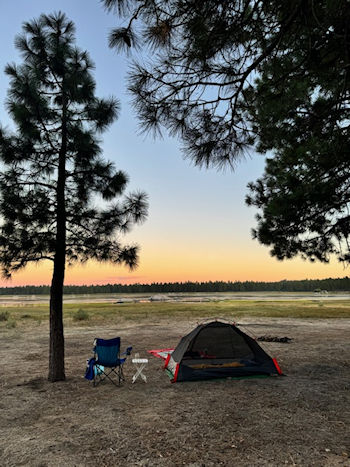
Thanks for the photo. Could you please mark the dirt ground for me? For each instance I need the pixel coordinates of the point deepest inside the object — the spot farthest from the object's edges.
(300, 419)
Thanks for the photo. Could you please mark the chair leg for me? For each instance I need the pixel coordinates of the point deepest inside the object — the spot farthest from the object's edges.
(97, 379)
(114, 371)
(118, 373)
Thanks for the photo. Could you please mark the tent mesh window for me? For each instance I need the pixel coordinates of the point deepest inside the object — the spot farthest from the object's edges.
(219, 342)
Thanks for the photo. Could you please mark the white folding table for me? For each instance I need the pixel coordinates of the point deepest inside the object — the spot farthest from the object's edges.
(140, 364)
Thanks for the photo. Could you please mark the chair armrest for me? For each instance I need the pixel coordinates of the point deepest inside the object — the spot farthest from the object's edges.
(127, 351)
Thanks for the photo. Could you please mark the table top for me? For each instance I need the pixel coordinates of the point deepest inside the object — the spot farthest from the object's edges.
(140, 360)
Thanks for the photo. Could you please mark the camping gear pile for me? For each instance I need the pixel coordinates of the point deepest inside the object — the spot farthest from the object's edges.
(284, 340)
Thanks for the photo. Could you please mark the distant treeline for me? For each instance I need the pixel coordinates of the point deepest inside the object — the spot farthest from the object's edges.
(339, 284)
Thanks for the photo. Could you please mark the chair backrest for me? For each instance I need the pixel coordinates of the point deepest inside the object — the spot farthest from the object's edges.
(108, 351)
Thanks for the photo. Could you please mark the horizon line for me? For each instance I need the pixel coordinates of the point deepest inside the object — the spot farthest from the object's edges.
(176, 282)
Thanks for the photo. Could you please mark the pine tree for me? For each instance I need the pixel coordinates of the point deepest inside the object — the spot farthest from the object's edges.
(58, 195)
(232, 76)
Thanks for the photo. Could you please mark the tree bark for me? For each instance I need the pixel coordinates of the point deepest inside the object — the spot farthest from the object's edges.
(56, 359)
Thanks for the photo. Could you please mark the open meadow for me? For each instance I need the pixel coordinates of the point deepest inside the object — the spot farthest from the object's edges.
(300, 419)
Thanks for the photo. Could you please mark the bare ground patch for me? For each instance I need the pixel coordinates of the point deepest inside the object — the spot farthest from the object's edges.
(301, 419)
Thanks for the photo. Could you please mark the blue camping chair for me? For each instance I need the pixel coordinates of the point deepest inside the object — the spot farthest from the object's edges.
(107, 362)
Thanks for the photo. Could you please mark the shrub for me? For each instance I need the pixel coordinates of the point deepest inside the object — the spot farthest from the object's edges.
(4, 315)
(81, 315)
(11, 323)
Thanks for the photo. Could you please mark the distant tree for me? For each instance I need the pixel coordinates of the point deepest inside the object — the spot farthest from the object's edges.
(232, 75)
(305, 285)
(57, 193)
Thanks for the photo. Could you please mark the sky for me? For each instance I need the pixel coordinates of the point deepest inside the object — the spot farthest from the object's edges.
(198, 227)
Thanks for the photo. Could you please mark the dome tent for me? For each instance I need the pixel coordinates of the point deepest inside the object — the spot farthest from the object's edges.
(218, 350)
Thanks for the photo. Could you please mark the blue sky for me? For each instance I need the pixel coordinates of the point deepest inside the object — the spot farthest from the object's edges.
(198, 226)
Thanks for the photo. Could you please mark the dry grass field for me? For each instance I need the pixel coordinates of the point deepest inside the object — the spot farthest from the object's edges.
(300, 419)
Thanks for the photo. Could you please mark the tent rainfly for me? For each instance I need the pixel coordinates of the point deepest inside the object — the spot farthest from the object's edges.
(218, 350)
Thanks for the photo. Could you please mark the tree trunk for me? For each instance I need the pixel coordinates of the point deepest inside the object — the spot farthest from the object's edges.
(56, 360)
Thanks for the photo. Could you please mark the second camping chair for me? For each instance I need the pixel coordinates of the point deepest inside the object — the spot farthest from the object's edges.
(108, 363)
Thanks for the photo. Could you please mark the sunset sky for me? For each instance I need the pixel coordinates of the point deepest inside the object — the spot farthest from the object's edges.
(199, 228)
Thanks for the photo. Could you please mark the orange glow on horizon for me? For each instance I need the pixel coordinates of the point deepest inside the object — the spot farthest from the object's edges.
(177, 264)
